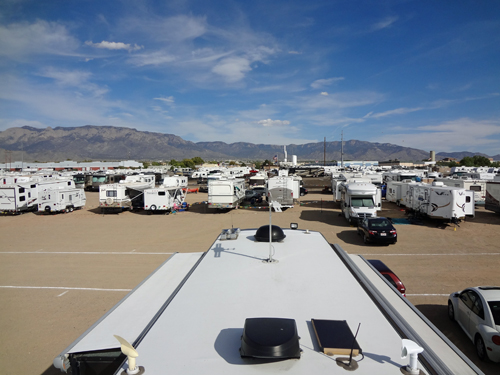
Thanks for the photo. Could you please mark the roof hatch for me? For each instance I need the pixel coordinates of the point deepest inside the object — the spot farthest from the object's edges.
(271, 338)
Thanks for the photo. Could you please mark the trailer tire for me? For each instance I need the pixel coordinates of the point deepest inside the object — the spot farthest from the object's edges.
(71, 209)
(152, 207)
(47, 209)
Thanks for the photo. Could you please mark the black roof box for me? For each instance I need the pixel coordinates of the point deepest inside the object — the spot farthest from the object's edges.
(262, 234)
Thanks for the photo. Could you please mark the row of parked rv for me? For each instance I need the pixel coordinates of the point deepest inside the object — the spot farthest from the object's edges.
(49, 194)
(429, 194)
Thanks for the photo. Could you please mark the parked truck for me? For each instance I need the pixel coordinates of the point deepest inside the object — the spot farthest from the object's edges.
(359, 200)
(226, 193)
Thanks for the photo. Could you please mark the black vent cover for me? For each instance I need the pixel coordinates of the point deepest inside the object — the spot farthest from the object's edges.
(262, 234)
(272, 338)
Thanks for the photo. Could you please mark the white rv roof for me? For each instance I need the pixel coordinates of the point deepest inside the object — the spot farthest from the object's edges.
(200, 328)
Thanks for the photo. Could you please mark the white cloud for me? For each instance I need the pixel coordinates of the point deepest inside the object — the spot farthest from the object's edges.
(270, 122)
(385, 23)
(154, 58)
(73, 78)
(114, 46)
(168, 100)
(19, 40)
(462, 134)
(232, 69)
(398, 111)
(325, 82)
(324, 93)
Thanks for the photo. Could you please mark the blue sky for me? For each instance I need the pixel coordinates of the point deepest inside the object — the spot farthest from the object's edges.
(423, 74)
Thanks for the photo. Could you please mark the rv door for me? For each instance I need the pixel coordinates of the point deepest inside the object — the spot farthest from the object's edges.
(470, 209)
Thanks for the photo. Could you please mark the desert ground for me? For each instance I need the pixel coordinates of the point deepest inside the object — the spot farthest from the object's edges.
(61, 273)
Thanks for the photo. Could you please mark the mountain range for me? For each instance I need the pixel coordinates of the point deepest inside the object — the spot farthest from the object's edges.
(108, 143)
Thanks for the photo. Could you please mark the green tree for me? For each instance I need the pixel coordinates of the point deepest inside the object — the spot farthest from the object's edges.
(188, 163)
(467, 162)
(197, 160)
(258, 164)
(481, 161)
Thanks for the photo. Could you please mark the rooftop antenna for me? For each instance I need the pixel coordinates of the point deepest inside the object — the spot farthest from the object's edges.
(285, 154)
(349, 364)
(270, 259)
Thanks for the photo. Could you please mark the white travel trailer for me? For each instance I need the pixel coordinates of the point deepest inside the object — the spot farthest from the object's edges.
(359, 200)
(121, 195)
(168, 196)
(440, 202)
(492, 201)
(397, 191)
(61, 200)
(401, 175)
(248, 324)
(226, 193)
(477, 186)
(283, 189)
(18, 198)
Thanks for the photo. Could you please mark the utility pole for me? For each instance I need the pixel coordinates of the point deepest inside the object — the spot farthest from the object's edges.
(324, 152)
(342, 150)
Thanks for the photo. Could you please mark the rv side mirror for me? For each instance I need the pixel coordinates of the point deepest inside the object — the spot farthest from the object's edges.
(379, 204)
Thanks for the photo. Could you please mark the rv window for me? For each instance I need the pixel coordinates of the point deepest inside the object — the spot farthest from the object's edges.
(62, 196)
(467, 199)
(69, 183)
(22, 199)
(161, 193)
(29, 195)
(111, 193)
(475, 188)
(33, 186)
(21, 190)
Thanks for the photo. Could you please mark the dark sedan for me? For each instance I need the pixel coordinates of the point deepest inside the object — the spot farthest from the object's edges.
(377, 229)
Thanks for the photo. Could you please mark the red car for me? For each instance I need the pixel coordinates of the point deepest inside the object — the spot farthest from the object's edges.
(388, 274)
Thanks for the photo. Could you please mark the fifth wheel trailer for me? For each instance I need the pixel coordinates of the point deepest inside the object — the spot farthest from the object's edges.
(492, 201)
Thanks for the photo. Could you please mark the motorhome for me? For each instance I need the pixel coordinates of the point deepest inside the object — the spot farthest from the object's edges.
(492, 201)
(285, 190)
(440, 202)
(61, 200)
(359, 200)
(168, 196)
(258, 180)
(262, 309)
(99, 179)
(226, 193)
(122, 195)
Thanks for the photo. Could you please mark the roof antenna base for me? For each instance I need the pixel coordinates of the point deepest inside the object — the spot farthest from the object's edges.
(139, 370)
(270, 260)
(347, 363)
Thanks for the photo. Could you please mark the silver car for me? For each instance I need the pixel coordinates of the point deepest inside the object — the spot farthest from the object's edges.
(477, 311)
